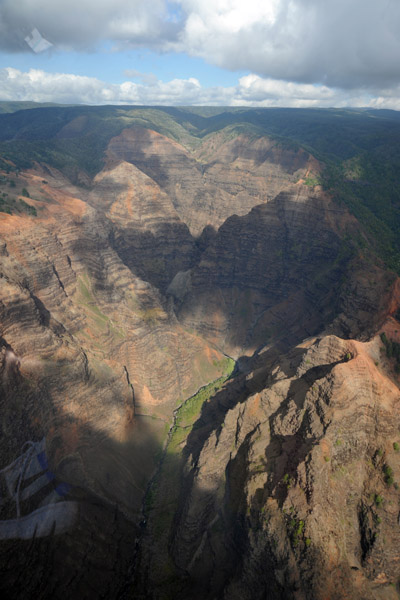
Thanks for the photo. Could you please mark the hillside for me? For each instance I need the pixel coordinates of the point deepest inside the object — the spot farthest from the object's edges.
(199, 353)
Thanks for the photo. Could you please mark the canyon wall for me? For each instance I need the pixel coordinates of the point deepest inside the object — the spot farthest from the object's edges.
(126, 291)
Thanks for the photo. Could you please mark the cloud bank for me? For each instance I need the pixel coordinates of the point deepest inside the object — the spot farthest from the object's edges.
(334, 42)
(251, 90)
(338, 43)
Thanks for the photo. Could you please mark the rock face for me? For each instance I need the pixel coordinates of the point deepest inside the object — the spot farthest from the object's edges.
(285, 491)
(221, 177)
(119, 299)
(282, 272)
(92, 360)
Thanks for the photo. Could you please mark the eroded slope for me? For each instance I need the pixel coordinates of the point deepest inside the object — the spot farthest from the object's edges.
(289, 488)
(118, 298)
(226, 174)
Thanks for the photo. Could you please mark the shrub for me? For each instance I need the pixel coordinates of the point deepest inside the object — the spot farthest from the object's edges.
(288, 481)
(31, 210)
(396, 446)
(297, 528)
(389, 479)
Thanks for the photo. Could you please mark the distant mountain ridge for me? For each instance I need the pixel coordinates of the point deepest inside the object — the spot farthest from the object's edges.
(10, 106)
(358, 148)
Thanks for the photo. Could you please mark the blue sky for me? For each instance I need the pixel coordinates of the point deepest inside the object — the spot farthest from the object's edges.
(232, 52)
(111, 66)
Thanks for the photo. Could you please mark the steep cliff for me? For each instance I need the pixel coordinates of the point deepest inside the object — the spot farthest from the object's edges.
(140, 249)
(226, 173)
(290, 481)
(92, 361)
(286, 270)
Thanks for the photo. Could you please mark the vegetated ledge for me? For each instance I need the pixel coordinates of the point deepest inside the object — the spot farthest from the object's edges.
(161, 499)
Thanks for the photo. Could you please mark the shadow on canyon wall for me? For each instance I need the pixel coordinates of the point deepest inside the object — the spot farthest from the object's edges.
(206, 542)
(100, 555)
(94, 557)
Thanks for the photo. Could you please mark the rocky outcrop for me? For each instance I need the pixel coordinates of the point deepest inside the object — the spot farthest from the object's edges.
(226, 174)
(285, 489)
(147, 234)
(92, 361)
(281, 273)
(118, 300)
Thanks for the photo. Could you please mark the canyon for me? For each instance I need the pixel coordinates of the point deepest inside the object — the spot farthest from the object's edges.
(199, 367)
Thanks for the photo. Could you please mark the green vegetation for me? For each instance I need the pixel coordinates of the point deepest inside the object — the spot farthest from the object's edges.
(392, 350)
(296, 531)
(14, 106)
(357, 148)
(288, 481)
(75, 138)
(151, 316)
(388, 474)
(396, 446)
(188, 412)
(30, 210)
(167, 482)
(374, 200)
(378, 500)
(312, 181)
(226, 364)
(163, 495)
(13, 206)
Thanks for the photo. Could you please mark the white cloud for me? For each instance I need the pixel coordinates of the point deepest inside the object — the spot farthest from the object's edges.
(251, 90)
(80, 24)
(262, 89)
(335, 42)
(40, 86)
(339, 43)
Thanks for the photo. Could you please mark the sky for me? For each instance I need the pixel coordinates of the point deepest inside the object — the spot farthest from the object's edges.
(294, 53)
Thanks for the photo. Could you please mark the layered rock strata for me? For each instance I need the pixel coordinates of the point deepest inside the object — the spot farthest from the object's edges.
(226, 174)
(289, 482)
(118, 301)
